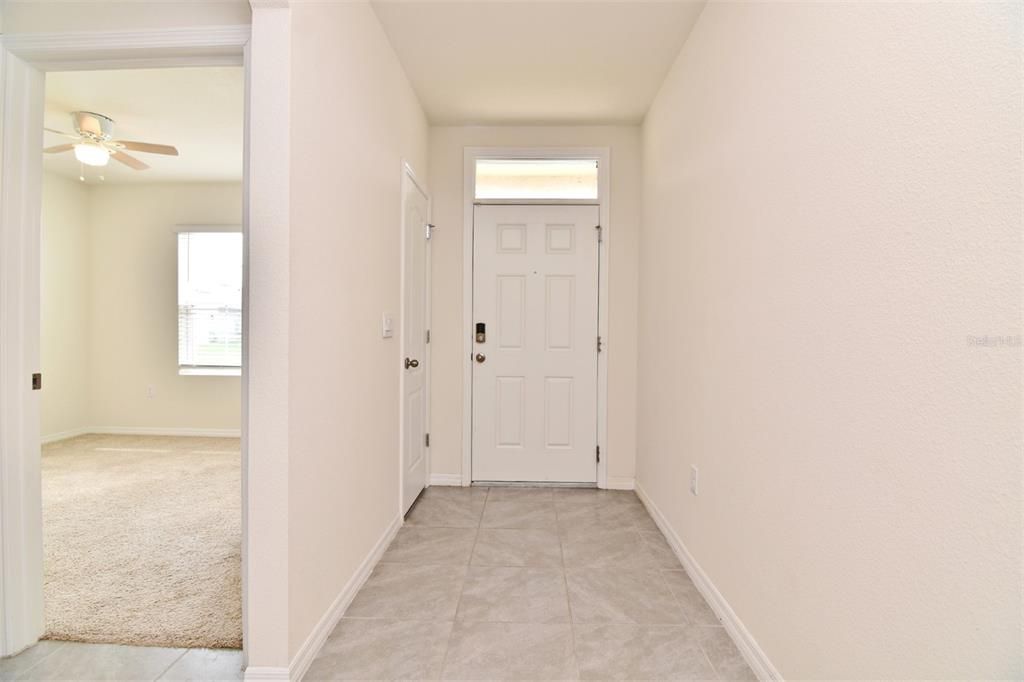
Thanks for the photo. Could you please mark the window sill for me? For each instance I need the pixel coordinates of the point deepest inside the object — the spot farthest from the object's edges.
(210, 371)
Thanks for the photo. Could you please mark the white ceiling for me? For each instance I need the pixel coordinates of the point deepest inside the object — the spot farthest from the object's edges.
(530, 62)
(198, 110)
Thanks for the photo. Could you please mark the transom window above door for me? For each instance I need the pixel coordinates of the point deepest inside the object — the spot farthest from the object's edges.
(536, 179)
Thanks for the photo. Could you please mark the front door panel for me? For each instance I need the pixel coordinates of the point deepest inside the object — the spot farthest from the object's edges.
(535, 290)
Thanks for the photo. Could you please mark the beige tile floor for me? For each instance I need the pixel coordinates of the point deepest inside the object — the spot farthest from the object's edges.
(528, 584)
(50, 660)
(495, 584)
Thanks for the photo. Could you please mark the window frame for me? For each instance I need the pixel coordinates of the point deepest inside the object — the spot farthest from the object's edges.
(539, 200)
(205, 370)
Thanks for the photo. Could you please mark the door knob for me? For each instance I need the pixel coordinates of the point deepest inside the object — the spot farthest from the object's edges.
(480, 357)
(411, 363)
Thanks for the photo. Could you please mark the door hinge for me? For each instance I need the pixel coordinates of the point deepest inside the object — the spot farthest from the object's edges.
(37, 381)
(429, 229)
(600, 344)
(427, 440)
(600, 233)
(428, 336)
(598, 448)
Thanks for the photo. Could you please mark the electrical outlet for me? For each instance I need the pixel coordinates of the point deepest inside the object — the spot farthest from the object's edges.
(150, 392)
(693, 480)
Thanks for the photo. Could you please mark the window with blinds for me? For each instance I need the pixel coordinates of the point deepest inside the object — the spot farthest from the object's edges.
(210, 303)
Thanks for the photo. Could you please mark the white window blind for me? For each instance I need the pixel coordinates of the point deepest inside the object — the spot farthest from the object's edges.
(209, 302)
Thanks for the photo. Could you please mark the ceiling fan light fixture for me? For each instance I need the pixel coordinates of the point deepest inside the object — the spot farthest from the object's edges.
(92, 154)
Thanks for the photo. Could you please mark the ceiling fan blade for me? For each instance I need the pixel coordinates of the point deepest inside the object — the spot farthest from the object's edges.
(59, 148)
(148, 148)
(129, 161)
(62, 133)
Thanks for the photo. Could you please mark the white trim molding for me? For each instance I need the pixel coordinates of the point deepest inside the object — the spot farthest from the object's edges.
(206, 46)
(446, 479)
(145, 431)
(64, 435)
(23, 60)
(311, 647)
(621, 483)
(470, 156)
(752, 652)
(259, 674)
(21, 544)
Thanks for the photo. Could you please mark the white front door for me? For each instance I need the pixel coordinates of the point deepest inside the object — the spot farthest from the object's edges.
(535, 300)
(415, 322)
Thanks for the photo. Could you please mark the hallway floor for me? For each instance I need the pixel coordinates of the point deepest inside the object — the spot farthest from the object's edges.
(529, 583)
(49, 660)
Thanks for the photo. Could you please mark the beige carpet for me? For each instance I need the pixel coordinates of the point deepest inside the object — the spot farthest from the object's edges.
(142, 540)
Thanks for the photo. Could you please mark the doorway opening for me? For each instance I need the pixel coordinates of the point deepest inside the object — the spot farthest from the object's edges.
(141, 356)
(535, 311)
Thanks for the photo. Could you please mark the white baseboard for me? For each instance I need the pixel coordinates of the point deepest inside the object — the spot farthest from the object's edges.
(63, 435)
(164, 431)
(446, 479)
(142, 431)
(311, 647)
(265, 673)
(620, 483)
(745, 642)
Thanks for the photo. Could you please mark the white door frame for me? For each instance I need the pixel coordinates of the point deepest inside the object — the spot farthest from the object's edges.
(470, 157)
(23, 60)
(409, 176)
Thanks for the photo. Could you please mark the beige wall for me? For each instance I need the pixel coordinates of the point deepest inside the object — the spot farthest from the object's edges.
(66, 285)
(347, 146)
(109, 316)
(446, 183)
(832, 208)
(134, 307)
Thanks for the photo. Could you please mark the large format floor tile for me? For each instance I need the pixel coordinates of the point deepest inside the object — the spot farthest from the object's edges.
(599, 548)
(382, 650)
(448, 507)
(410, 592)
(640, 652)
(431, 546)
(529, 584)
(619, 596)
(11, 667)
(519, 511)
(517, 547)
(514, 595)
(510, 651)
(75, 661)
(81, 662)
(206, 664)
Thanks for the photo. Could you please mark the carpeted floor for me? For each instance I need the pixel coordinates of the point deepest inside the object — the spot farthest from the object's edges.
(142, 538)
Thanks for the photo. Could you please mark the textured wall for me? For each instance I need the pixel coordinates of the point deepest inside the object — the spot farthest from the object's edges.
(134, 320)
(65, 341)
(354, 119)
(832, 209)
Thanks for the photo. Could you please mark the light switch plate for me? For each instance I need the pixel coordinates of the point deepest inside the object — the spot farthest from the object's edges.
(387, 329)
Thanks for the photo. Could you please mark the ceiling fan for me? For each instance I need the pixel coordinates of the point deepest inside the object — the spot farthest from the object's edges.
(95, 145)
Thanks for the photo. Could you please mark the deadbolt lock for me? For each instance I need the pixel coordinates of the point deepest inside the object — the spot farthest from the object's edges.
(481, 332)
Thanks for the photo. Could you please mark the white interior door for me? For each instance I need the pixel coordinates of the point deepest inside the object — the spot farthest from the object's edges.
(535, 291)
(415, 322)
